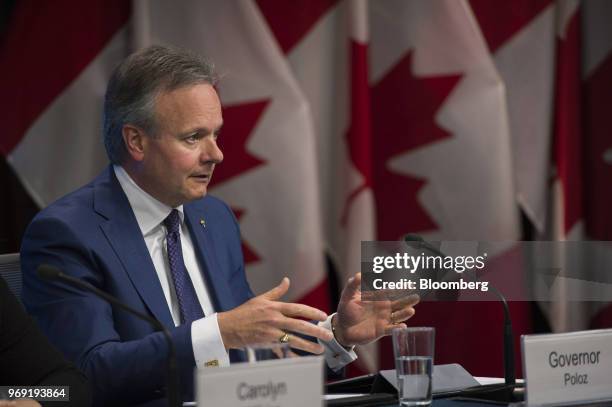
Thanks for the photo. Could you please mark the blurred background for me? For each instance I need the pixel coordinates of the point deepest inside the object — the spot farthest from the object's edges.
(346, 121)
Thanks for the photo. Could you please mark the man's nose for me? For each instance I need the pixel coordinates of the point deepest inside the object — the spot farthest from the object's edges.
(211, 151)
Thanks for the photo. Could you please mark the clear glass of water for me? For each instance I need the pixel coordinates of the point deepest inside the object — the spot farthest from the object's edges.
(414, 352)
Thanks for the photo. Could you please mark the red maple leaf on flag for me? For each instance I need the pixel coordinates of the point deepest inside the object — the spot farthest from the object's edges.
(290, 21)
(239, 122)
(501, 20)
(403, 118)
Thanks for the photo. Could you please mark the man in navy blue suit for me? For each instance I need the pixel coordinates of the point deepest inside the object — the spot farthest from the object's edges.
(145, 231)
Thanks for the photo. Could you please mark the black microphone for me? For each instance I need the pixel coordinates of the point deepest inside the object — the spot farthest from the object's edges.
(509, 370)
(48, 272)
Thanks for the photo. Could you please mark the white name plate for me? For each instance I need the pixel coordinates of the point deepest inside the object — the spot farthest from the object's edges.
(568, 368)
(271, 383)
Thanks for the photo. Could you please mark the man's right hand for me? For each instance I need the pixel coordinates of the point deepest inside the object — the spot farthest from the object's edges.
(265, 319)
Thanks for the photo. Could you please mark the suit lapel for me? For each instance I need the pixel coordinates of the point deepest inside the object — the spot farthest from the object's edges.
(122, 231)
(217, 285)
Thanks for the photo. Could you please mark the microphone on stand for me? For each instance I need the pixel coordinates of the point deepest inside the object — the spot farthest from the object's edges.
(509, 369)
(48, 272)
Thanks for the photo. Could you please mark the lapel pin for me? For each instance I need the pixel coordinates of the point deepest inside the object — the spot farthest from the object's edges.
(202, 223)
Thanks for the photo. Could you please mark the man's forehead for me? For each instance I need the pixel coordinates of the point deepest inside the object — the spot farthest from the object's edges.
(199, 99)
(189, 110)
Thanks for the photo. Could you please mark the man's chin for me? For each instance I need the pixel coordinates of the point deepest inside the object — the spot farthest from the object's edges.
(197, 194)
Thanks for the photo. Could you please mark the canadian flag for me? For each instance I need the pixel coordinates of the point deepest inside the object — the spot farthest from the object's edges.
(442, 154)
(410, 114)
(535, 45)
(557, 107)
(521, 38)
(56, 58)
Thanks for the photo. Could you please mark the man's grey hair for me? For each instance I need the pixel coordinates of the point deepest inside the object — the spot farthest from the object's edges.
(136, 82)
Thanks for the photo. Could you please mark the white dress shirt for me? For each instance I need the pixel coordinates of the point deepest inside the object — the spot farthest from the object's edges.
(150, 214)
(208, 347)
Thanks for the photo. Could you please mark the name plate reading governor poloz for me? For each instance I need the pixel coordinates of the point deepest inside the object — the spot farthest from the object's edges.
(288, 382)
(568, 368)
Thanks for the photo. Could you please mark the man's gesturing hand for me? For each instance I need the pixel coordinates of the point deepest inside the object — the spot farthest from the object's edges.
(359, 322)
(265, 319)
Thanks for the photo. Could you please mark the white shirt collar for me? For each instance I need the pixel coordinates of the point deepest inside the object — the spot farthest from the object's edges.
(149, 212)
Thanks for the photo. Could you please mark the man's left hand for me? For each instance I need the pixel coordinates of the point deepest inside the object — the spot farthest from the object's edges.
(359, 322)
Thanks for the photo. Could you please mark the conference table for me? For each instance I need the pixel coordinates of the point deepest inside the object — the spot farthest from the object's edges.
(450, 401)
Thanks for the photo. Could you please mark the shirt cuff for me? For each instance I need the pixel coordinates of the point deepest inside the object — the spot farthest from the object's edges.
(208, 348)
(336, 355)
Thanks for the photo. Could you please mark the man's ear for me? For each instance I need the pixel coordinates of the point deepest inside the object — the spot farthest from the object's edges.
(134, 139)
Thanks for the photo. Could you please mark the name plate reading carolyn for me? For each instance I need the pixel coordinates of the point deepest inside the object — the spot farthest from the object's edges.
(568, 368)
(271, 383)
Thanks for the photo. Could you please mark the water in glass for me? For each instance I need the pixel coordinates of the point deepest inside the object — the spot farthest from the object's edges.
(414, 380)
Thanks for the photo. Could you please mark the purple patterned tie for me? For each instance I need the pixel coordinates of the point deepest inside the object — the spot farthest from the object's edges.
(189, 305)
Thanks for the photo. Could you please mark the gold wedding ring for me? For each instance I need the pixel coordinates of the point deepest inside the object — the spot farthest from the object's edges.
(284, 338)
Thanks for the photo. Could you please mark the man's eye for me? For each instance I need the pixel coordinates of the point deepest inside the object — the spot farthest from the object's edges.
(191, 139)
